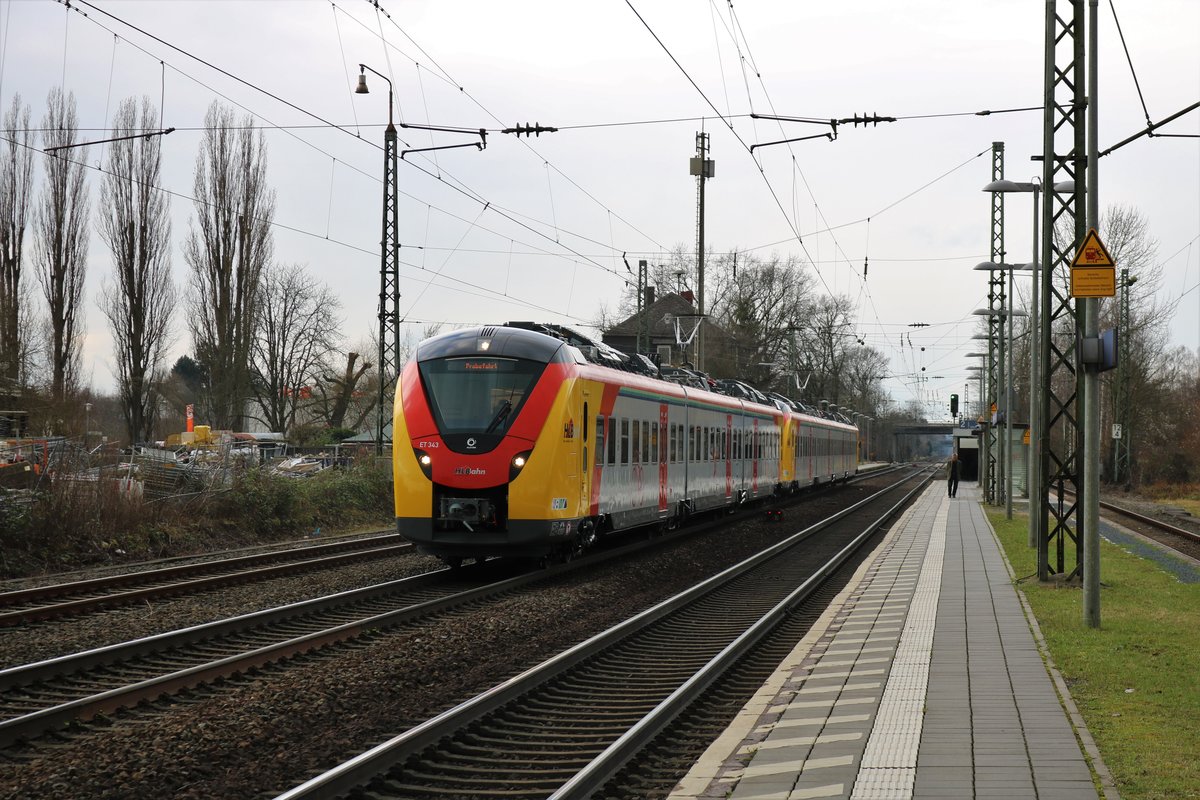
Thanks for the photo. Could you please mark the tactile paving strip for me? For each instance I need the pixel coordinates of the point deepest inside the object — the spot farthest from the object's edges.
(889, 764)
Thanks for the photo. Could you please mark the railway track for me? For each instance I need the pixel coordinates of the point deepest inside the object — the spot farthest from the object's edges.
(565, 728)
(1177, 538)
(50, 694)
(55, 601)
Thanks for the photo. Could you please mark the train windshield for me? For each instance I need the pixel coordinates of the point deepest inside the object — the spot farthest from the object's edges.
(478, 395)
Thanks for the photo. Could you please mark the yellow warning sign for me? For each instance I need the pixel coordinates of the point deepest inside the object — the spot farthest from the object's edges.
(1092, 253)
(1025, 438)
(1093, 271)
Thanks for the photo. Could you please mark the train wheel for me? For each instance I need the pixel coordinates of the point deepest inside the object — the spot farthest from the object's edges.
(587, 535)
(453, 562)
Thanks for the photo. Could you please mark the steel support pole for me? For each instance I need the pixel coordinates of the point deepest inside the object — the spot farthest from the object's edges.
(702, 156)
(1091, 372)
(1008, 406)
(1034, 456)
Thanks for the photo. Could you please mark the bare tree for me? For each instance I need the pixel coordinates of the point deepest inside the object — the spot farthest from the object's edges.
(16, 179)
(824, 346)
(227, 249)
(297, 330)
(1145, 335)
(61, 242)
(137, 229)
(340, 397)
(760, 301)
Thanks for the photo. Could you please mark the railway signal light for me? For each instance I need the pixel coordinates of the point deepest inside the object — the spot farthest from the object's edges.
(954, 405)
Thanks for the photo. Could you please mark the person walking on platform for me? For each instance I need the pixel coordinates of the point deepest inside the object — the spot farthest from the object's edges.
(952, 475)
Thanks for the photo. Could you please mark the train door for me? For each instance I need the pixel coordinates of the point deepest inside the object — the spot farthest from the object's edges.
(686, 445)
(726, 443)
(585, 422)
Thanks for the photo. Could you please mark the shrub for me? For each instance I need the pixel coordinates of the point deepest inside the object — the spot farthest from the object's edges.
(73, 524)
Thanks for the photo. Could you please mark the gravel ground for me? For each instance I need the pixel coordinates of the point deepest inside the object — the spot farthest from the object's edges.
(39, 641)
(275, 728)
(48, 578)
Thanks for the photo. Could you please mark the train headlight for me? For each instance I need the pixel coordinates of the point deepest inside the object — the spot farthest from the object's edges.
(518, 463)
(425, 462)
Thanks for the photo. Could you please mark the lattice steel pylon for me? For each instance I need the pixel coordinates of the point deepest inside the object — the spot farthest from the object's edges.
(1064, 160)
(389, 282)
(993, 453)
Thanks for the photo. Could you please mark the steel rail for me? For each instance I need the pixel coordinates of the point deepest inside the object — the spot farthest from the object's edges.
(90, 668)
(165, 581)
(363, 768)
(1146, 520)
(593, 777)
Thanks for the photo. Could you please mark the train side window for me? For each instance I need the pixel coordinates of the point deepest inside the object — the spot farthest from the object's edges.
(654, 442)
(612, 440)
(645, 442)
(637, 442)
(599, 439)
(624, 441)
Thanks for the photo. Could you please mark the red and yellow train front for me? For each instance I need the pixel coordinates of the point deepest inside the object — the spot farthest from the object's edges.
(487, 455)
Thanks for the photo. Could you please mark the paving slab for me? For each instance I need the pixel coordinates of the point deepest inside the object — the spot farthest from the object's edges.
(923, 678)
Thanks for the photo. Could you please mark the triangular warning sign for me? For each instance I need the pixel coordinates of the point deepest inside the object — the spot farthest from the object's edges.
(1092, 252)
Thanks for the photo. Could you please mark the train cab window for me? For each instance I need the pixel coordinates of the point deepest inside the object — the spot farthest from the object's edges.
(624, 441)
(478, 394)
(645, 442)
(599, 440)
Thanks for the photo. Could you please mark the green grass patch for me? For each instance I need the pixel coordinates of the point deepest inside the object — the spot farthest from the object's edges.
(1136, 679)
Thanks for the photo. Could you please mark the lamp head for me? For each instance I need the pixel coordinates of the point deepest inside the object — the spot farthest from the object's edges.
(362, 83)
(1011, 186)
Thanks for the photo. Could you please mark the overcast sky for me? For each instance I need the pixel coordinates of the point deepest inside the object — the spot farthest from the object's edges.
(535, 229)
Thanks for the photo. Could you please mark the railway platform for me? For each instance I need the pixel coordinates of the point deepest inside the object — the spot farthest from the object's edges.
(923, 679)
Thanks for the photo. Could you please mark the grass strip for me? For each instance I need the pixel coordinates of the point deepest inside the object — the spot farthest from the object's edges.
(1136, 679)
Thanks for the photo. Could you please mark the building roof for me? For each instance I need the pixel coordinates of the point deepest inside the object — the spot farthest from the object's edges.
(661, 315)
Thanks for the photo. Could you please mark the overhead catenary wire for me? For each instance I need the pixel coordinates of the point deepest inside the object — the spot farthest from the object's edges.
(457, 185)
(488, 293)
(462, 89)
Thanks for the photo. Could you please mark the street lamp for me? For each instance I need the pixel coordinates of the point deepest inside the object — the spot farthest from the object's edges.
(389, 266)
(1007, 445)
(87, 424)
(1037, 341)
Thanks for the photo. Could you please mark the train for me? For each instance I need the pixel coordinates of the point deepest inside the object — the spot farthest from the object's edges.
(520, 440)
